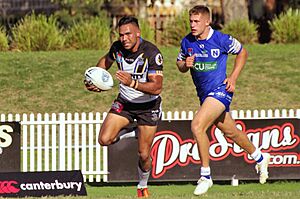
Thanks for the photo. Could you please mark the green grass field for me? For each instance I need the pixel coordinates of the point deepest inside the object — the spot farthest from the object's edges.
(251, 190)
(40, 82)
(275, 190)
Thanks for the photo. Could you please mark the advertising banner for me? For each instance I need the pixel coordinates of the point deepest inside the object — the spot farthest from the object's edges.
(52, 183)
(10, 146)
(175, 154)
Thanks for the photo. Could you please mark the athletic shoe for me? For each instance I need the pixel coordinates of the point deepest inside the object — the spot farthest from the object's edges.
(203, 185)
(131, 132)
(142, 193)
(262, 168)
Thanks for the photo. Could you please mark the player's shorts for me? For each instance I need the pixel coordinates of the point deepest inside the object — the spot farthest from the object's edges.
(148, 113)
(221, 94)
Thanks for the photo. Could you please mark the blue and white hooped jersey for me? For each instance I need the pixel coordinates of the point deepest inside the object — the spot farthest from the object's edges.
(209, 70)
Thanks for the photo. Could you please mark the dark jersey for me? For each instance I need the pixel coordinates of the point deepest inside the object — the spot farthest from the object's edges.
(146, 60)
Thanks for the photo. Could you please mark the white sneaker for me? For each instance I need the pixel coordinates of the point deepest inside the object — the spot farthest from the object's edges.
(262, 168)
(203, 185)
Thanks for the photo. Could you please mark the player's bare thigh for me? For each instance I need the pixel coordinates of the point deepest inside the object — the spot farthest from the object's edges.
(209, 111)
(226, 123)
(110, 128)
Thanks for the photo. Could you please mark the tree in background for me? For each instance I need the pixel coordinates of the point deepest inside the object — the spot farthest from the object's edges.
(75, 10)
(234, 10)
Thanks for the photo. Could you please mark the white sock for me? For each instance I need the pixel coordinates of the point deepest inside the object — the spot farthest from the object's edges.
(205, 171)
(128, 135)
(143, 178)
(257, 156)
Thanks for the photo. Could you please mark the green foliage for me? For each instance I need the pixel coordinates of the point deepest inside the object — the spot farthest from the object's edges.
(148, 33)
(175, 29)
(89, 34)
(77, 10)
(3, 40)
(37, 32)
(243, 30)
(286, 28)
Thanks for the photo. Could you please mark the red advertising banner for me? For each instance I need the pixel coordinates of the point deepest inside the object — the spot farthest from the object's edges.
(175, 154)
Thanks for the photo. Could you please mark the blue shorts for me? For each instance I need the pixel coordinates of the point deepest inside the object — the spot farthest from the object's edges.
(220, 94)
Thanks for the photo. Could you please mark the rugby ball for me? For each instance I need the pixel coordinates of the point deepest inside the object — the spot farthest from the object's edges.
(99, 77)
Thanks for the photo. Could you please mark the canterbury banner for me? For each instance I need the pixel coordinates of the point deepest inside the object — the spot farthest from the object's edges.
(175, 154)
(54, 183)
(10, 146)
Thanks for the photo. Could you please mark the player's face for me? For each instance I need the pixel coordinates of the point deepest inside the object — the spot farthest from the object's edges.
(198, 24)
(129, 35)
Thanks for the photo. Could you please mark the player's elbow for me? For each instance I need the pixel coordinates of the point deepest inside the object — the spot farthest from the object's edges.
(157, 91)
(183, 70)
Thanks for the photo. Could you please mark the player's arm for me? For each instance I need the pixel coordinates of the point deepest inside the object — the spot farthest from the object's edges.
(184, 65)
(239, 64)
(105, 62)
(153, 86)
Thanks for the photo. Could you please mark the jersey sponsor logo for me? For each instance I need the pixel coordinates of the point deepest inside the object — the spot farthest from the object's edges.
(205, 66)
(8, 187)
(215, 53)
(201, 45)
(159, 59)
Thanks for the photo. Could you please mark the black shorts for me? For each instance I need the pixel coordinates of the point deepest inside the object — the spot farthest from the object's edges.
(148, 113)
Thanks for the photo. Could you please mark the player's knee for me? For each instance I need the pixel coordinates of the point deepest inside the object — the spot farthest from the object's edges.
(104, 141)
(197, 129)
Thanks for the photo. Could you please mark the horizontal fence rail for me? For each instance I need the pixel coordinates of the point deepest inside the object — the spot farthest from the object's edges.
(66, 141)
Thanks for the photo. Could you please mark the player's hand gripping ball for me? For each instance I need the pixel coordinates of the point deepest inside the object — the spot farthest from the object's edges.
(99, 77)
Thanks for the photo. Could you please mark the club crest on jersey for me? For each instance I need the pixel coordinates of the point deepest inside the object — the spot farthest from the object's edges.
(119, 57)
(140, 61)
(190, 51)
(215, 53)
(159, 59)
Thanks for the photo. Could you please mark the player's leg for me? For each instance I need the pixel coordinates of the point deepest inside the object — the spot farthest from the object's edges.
(147, 118)
(209, 111)
(129, 131)
(145, 139)
(227, 125)
(110, 128)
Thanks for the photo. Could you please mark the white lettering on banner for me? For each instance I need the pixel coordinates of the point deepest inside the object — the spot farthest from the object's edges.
(5, 137)
(169, 150)
(53, 185)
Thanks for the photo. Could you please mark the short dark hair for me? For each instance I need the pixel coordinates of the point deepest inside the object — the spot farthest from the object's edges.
(128, 20)
(200, 9)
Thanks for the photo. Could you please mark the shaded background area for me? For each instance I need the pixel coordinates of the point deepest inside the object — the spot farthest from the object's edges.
(157, 12)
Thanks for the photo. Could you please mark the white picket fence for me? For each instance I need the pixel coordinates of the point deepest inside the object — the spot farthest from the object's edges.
(62, 142)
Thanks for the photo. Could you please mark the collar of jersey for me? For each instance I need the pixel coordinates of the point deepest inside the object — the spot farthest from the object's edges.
(211, 32)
